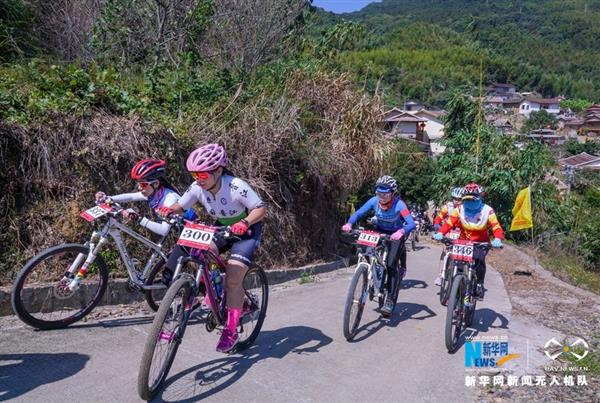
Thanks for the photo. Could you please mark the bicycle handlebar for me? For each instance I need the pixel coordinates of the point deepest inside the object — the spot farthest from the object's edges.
(355, 233)
(450, 242)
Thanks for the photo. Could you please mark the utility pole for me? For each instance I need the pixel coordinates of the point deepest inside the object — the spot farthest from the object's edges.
(570, 178)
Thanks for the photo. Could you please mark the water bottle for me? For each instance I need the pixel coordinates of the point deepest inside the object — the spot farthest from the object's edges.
(379, 272)
(217, 281)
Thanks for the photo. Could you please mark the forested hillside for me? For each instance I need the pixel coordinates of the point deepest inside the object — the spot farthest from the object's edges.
(423, 48)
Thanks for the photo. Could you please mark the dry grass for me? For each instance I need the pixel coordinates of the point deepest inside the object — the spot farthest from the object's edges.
(304, 152)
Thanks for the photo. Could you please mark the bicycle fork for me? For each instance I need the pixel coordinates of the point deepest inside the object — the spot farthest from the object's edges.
(468, 286)
(75, 279)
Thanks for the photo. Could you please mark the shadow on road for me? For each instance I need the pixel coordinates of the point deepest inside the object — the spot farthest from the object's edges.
(406, 284)
(21, 373)
(482, 322)
(197, 317)
(213, 376)
(404, 311)
(418, 248)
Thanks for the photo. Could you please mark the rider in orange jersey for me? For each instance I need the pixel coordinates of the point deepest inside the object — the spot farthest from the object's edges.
(475, 219)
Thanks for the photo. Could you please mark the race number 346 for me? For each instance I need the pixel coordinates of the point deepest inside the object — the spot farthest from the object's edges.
(462, 252)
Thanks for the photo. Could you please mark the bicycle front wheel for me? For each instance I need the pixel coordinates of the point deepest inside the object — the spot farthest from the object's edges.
(355, 301)
(41, 296)
(154, 296)
(446, 281)
(470, 311)
(164, 338)
(454, 313)
(256, 299)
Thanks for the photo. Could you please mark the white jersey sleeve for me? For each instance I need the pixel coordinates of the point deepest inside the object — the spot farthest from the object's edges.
(190, 197)
(245, 195)
(129, 197)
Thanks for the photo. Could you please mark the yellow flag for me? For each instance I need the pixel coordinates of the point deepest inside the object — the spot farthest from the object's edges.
(522, 218)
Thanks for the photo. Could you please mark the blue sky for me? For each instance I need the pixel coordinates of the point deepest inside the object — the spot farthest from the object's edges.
(342, 6)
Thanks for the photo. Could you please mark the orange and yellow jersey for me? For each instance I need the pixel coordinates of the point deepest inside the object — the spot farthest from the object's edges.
(474, 228)
(444, 213)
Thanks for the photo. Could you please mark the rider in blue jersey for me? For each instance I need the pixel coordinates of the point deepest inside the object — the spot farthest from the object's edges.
(391, 217)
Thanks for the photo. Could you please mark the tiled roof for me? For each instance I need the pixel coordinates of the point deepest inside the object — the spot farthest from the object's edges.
(544, 101)
(579, 159)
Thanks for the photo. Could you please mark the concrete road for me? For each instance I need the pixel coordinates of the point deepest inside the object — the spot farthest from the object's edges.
(301, 354)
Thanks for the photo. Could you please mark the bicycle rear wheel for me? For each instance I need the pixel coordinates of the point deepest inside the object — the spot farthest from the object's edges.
(164, 338)
(41, 296)
(355, 301)
(256, 299)
(454, 313)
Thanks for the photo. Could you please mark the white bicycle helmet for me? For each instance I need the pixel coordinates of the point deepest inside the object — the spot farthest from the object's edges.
(386, 184)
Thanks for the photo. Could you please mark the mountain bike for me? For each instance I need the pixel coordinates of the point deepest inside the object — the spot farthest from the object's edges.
(62, 284)
(447, 265)
(169, 325)
(413, 237)
(462, 301)
(369, 279)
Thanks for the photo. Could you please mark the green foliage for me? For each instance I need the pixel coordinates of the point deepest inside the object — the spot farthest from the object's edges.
(588, 233)
(16, 21)
(462, 114)
(576, 105)
(36, 90)
(412, 168)
(574, 147)
(540, 120)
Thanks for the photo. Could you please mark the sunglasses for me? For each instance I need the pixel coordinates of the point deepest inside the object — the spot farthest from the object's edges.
(383, 195)
(144, 185)
(200, 175)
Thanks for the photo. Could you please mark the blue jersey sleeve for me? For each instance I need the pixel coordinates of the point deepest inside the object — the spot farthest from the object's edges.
(369, 205)
(403, 211)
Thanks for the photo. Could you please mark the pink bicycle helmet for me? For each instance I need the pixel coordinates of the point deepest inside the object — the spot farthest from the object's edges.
(207, 158)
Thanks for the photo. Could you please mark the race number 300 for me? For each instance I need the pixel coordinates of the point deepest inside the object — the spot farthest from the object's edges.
(196, 236)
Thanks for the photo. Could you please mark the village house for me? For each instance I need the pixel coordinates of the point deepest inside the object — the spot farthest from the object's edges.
(412, 106)
(546, 136)
(424, 126)
(402, 123)
(581, 161)
(569, 125)
(530, 104)
(504, 91)
(591, 121)
(504, 126)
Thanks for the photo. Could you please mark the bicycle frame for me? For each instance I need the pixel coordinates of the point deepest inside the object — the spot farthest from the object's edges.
(372, 256)
(113, 229)
(201, 258)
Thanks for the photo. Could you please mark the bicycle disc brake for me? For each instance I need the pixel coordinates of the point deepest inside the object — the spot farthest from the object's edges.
(211, 322)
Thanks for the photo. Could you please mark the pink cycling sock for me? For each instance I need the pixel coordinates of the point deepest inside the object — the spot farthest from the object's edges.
(233, 318)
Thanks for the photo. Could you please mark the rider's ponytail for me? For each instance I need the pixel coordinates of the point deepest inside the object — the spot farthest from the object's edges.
(166, 184)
